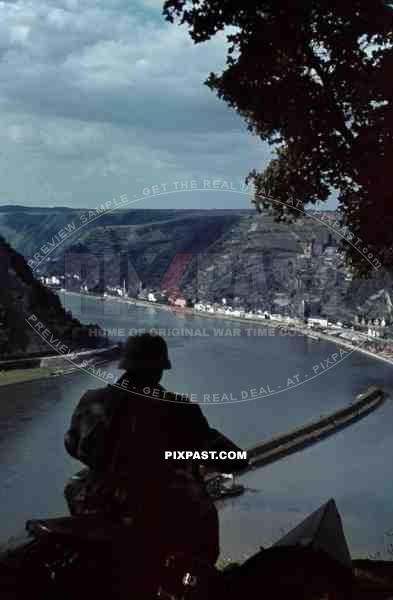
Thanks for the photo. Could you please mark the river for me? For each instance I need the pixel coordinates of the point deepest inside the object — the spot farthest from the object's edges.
(352, 466)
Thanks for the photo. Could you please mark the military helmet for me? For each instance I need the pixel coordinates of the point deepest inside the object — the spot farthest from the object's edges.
(145, 351)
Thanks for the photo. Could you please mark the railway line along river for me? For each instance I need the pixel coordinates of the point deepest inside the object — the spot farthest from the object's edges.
(274, 376)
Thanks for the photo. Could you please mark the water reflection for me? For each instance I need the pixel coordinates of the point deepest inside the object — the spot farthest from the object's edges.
(353, 466)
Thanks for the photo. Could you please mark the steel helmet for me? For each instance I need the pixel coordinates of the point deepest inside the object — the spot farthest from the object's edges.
(145, 351)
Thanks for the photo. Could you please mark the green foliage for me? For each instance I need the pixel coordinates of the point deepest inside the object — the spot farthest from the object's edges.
(314, 78)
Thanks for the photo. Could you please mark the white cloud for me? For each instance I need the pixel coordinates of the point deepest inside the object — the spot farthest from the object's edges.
(94, 91)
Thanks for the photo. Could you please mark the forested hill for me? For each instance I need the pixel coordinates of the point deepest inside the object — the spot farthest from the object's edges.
(22, 296)
(28, 228)
(247, 258)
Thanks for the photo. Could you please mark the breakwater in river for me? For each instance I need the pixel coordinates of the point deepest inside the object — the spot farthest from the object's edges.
(297, 439)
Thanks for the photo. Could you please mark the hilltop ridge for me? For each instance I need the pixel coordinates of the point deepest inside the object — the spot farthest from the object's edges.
(247, 258)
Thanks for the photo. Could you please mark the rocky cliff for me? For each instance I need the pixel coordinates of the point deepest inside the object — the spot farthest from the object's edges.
(249, 259)
(22, 296)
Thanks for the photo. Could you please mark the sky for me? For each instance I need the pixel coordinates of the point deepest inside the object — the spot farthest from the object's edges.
(102, 98)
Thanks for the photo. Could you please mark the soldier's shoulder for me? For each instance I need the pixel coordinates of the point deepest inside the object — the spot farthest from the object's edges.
(174, 397)
(93, 399)
(94, 394)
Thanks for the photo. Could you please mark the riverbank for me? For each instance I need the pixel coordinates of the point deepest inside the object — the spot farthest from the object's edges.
(54, 365)
(287, 328)
(24, 375)
(16, 376)
(278, 495)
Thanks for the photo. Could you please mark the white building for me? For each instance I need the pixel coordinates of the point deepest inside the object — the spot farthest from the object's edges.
(53, 280)
(199, 307)
(317, 322)
(151, 297)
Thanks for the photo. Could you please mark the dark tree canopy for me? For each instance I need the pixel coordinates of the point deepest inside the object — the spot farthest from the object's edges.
(315, 79)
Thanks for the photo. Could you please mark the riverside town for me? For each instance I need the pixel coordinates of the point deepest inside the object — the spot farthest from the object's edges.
(196, 300)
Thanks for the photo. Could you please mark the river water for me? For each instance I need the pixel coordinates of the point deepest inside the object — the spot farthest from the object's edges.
(353, 466)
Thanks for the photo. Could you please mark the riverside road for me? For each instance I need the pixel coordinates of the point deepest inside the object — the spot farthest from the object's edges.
(353, 466)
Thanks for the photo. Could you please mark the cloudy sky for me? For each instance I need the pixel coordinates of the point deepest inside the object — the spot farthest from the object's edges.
(100, 98)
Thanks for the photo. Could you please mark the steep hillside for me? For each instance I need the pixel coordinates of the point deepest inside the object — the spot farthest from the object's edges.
(28, 228)
(247, 258)
(21, 296)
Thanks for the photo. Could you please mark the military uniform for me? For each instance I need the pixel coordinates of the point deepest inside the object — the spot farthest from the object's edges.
(122, 436)
(121, 433)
